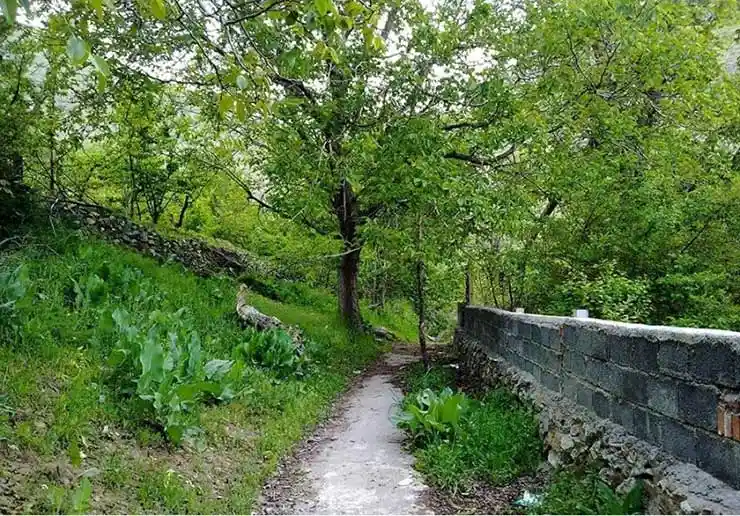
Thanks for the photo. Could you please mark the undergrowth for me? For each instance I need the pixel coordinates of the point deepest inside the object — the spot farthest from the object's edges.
(493, 438)
(109, 360)
(582, 492)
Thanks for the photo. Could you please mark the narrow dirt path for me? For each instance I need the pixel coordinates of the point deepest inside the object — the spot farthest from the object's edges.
(354, 463)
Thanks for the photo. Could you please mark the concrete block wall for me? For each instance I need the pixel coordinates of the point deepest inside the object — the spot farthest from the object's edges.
(676, 388)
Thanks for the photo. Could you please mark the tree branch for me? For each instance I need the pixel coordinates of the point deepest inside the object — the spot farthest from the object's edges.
(482, 162)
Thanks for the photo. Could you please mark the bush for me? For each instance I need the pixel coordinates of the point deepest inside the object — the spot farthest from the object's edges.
(163, 366)
(496, 442)
(273, 350)
(13, 287)
(431, 416)
(574, 492)
(459, 440)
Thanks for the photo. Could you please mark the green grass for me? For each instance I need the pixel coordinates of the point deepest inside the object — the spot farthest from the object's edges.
(56, 405)
(582, 492)
(498, 441)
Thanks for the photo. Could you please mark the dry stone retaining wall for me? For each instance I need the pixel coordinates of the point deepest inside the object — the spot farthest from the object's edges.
(656, 403)
(196, 255)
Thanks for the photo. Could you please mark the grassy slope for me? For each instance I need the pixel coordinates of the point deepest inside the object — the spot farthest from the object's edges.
(54, 402)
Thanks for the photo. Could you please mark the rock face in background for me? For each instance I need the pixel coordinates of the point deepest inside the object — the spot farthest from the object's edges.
(196, 255)
(538, 358)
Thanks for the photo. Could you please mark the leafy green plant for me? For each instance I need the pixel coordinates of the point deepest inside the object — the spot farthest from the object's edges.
(80, 499)
(573, 492)
(164, 368)
(433, 415)
(13, 287)
(494, 439)
(275, 351)
(86, 292)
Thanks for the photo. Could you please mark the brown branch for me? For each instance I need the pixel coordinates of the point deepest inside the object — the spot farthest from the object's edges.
(482, 162)
(253, 14)
(468, 125)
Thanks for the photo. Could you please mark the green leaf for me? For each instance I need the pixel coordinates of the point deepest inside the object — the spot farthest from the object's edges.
(241, 110)
(378, 43)
(333, 55)
(158, 8)
(10, 7)
(77, 50)
(241, 81)
(175, 433)
(75, 455)
(97, 5)
(81, 497)
(217, 369)
(323, 7)
(353, 8)
(152, 360)
(224, 103)
(101, 65)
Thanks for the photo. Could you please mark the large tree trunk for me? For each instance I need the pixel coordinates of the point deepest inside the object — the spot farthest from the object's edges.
(349, 304)
(345, 208)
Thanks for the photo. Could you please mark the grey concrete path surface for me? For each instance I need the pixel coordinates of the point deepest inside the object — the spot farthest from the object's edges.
(357, 464)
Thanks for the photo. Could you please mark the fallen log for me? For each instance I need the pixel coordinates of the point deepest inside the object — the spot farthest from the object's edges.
(253, 318)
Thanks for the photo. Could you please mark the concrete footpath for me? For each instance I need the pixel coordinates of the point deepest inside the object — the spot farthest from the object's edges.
(355, 463)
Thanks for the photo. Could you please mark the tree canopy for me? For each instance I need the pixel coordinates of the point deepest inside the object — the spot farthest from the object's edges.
(565, 154)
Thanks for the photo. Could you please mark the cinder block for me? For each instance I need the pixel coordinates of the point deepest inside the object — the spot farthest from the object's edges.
(575, 363)
(542, 355)
(525, 330)
(697, 405)
(550, 380)
(634, 386)
(578, 391)
(601, 404)
(605, 375)
(550, 337)
(515, 329)
(679, 440)
(537, 372)
(585, 396)
(674, 357)
(662, 396)
(588, 341)
(634, 352)
(719, 456)
(570, 387)
(717, 363)
(631, 417)
(536, 334)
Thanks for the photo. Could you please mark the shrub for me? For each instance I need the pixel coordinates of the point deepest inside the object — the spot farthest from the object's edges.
(275, 351)
(432, 416)
(460, 440)
(13, 287)
(163, 366)
(574, 492)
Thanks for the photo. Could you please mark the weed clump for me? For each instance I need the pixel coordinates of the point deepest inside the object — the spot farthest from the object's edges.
(460, 441)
